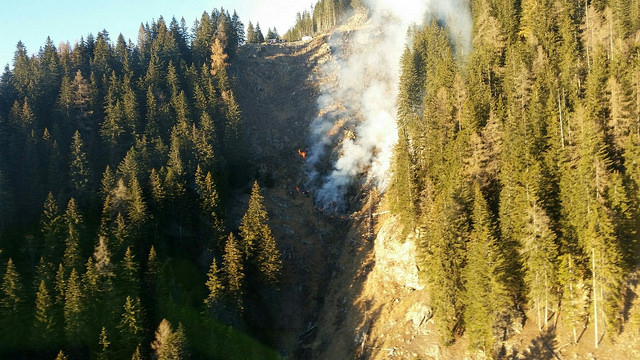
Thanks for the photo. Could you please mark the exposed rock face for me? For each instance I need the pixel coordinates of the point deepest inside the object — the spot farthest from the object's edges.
(395, 257)
(418, 314)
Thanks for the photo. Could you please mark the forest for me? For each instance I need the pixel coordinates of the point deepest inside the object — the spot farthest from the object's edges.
(325, 15)
(518, 167)
(517, 171)
(115, 165)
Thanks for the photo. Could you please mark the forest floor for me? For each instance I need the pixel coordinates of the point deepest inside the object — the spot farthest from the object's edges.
(350, 286)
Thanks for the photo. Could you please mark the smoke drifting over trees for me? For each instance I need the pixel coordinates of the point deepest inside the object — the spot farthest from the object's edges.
(356, 126)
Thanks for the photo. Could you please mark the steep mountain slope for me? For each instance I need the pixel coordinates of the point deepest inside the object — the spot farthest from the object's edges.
(351, 287)
(277, 87)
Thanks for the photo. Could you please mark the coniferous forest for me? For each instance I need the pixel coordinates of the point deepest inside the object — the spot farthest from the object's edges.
(517, 165)
(115, 162)
(517, 172)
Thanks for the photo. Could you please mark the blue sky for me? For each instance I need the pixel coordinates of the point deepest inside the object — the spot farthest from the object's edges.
(66, 20)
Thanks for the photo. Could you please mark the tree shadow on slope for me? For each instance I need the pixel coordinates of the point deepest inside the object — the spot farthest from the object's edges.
(542, 347)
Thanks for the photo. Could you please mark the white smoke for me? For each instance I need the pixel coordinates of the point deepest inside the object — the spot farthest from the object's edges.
(356, 125)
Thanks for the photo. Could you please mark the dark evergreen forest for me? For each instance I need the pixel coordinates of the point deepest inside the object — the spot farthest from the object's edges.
(517, 169)
(517, 166)
(115, 162)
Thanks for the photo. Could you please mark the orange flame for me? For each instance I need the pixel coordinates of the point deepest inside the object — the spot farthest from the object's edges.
(302, 153)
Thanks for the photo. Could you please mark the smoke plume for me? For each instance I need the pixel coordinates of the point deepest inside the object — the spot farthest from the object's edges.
(355, 130)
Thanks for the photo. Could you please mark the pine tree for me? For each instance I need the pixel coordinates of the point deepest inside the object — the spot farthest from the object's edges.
(79, 168)
(169, 345)
(131, 326)
(259, 245)
(73, 219)
(486, 293)
(152, 273)
(442, 242)
(136, 355)
(574, 294)
(137, 211)
(108, 182)
(233, 270)
(44, 326)
(129, 274)
(74, 309)
(82, 102)
(218, 57)
(253, 221)
(61, 356)
(44, 271)
(214, 285)
(12, 298)
(269, 257)
(259, 38)
(52, 229)
(251, 34)
(102, 258)
(539, 255)
(104, 352)
(60, 286)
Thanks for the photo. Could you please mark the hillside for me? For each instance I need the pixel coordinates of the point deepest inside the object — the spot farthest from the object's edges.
(361, 293)
(466, 187)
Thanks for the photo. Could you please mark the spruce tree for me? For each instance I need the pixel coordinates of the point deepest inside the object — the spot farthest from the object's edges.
(44, 329)
(74, 222)
(153, 270)
(74, 309)
(539, 255)
(486, 295)
(79, 172)
(214, 285)
(169, 345)
(251, 34)
(60, 286)
(128, 277)
(131, 326)
(52, 229)
(12, 300)
(103, 351)
(442, 242)
(259, 38)
(136, 354)
(253, 221)
(233, 270)
(574, 294)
